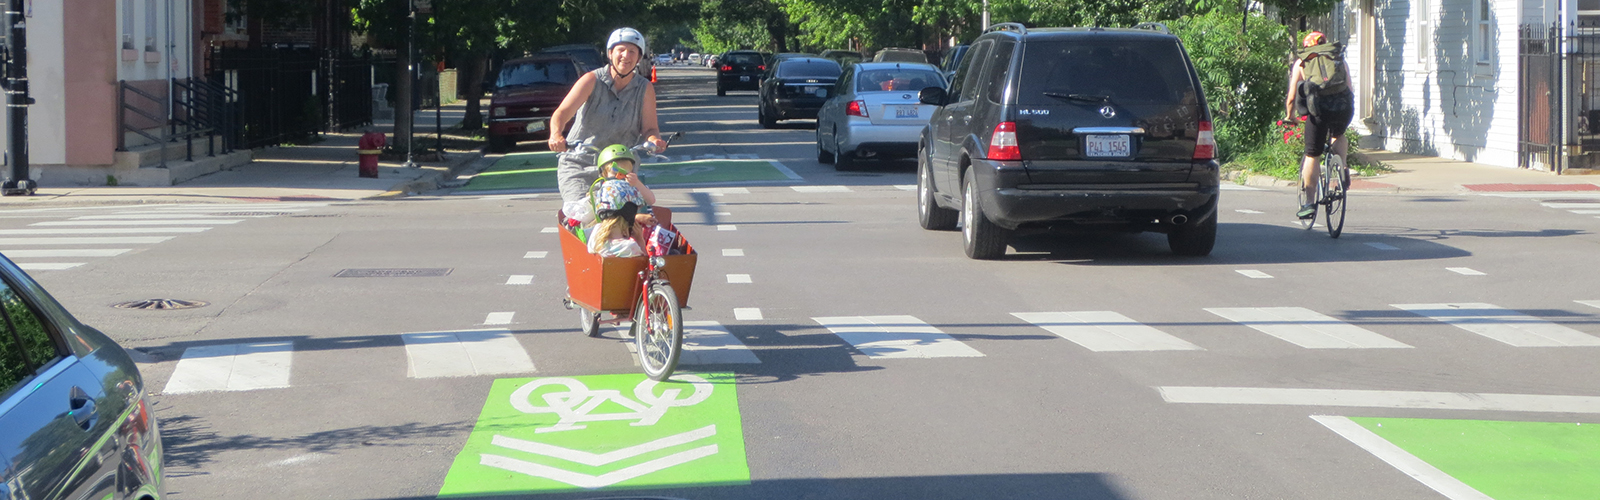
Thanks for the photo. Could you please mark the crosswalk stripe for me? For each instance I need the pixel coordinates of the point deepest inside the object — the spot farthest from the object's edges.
(163, 222)
(48, 266)
(1252, 273)
(1585, 212)
(101, 230)
(66, 252)
(739, 278)
(1306, 328)
(1465, 271)
(747, 314)
(464, 354)
(147, 216)
(232, 367)
(896, 337)
(520, 279)
(499, 318)
(710, 343)
(820, 189)
(1102, 331)
(1382, 246)
(106, 240)
(1590, 303)
(535, 255)
(1505, 325)
(733, 252)
(220, 209)
(1571, 205)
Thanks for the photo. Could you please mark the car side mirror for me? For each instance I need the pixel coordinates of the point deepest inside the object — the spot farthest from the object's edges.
(931, 95)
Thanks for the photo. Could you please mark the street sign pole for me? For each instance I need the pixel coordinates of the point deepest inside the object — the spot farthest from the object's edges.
(411, 73)
(16, 87)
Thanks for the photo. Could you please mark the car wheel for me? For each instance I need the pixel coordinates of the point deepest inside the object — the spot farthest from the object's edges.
(761, 116)
(721, 92)
(842, 161)
(929, 213)
(984, 240)
(823, 156)
(1195, 238)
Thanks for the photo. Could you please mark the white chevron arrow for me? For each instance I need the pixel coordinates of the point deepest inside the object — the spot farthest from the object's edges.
(582, 480)
(586, 458)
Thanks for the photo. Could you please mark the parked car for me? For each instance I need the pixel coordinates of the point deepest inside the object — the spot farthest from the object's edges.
(526, 93)
(952, 59)
(844, 57)
(74, 417)
(696, 58)
(1071, 128)
(900, 55)
(740, 70)
(875, 113)
(711, 60)
(795, 88)
(591, 57)
(665, 59)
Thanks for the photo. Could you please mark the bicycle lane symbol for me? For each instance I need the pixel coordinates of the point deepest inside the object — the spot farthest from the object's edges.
(565, 433)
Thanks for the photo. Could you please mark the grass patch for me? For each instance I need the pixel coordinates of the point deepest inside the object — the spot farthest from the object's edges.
(1282, 160)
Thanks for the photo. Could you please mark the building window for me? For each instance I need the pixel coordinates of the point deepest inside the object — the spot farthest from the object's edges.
(150, 14)
(127, 24)
(1485, 32)
(1424, 17)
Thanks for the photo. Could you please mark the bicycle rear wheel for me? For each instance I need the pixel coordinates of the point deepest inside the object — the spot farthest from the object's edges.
(658, 333)
(1335, 188)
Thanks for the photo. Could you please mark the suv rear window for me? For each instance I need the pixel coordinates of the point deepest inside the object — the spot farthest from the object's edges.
(1127, 72)
(897, 79)
(755, 59)
(538, 72)
(804, 69)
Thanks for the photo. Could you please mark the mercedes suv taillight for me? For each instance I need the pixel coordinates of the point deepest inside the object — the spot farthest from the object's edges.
(1205, 145)
(856, 108)
(1003, 143)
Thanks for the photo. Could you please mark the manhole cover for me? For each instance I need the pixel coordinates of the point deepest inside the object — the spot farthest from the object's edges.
(253, 214)
(161, 304)
(393, 273)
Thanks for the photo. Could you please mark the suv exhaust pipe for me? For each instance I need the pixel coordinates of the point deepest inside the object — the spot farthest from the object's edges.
(1179, 220)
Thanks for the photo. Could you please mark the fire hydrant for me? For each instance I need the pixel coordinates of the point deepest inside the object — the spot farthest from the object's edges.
(368, 147)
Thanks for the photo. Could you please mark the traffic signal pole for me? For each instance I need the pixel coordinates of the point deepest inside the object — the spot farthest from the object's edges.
(17, 101)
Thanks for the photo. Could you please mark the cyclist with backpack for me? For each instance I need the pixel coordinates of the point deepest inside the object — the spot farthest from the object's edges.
(1319, 93)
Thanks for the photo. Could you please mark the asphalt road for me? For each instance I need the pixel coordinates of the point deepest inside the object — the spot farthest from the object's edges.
(1236, 376)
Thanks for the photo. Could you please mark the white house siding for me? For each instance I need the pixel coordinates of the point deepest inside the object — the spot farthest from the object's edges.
(1449, 106)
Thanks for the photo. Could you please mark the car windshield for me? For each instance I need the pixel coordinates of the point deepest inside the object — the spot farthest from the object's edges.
(538, 73)
(809, 69)
(743, 59)
(897, 79)
(1122, 72)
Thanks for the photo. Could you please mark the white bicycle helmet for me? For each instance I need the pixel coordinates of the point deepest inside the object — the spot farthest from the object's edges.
(628, 35)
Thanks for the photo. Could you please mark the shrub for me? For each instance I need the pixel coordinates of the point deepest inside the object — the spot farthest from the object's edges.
(1244, 74)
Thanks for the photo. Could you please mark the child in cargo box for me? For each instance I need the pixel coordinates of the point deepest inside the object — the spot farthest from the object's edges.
(621, 206)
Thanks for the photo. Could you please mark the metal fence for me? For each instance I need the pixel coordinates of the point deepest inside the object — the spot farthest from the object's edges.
(1558, 104)
(292, 94)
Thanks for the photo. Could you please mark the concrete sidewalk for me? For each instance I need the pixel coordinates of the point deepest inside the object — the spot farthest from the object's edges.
(326, 170)
(1415, 174)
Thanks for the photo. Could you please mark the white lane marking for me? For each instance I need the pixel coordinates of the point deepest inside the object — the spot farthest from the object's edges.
(1590, 303)
(733, 252)
(233, 207)
(1544, 194)
(820, 189)
(587, 481)
(548, 230)
(184, 222)
(1249, 211)
(906, 187)
(520, 279)
(1382, 246)
(896, 337)
(1571, 205)
(722, 191)
(1537, 403)
(747, 314)
(1586, 212)
(106, 240)
(727, 227)
(65, 252)
(1238, 187)
(464, 354)
(1465, 271)
(599, 459)
(498, 318)
(1505, 325)
(535, 255)
(1101, 331)
(1306, 328)
(739, 278)
(232, 367)
(724, 214)
(223, 209)
(1428, 475)
(48, 266)
(102, 230)
(1252, 273)
(148, 216)
(709, 343)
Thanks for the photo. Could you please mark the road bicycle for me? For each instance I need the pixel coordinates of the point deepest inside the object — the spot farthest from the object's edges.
(1333, 183)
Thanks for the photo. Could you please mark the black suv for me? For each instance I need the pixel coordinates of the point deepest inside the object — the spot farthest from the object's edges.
(1070, 128)
(740, 70)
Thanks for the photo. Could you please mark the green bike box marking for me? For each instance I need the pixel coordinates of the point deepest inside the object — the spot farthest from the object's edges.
(550, 434)
(538, 171)
(1504, 460)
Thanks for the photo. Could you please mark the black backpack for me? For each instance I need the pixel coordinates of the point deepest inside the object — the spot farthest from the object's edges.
(1322, 66)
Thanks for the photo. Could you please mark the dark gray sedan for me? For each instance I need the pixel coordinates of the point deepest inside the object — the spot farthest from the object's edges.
(74, 422)
(795, 88)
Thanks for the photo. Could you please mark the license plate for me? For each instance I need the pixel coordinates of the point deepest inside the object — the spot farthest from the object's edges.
(809, 90)
(1106, 146)
(905, 112)
(536, 126)
(744, 78)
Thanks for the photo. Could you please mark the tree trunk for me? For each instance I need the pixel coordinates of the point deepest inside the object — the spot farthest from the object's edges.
(474, 69)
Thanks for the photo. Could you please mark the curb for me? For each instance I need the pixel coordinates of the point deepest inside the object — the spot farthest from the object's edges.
(430, 180)
(1245, 178)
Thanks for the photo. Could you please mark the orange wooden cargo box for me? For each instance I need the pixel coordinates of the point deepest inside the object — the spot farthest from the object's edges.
(612, 283)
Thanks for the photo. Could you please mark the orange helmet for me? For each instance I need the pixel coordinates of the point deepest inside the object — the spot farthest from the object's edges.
(1313, 39)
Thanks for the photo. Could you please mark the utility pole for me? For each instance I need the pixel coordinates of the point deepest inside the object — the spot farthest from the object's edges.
(411, 78)
(17, 100)
(985, 14)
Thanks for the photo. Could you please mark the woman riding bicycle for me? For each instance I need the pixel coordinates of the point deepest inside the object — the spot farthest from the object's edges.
(612, 105)
(1328, 112)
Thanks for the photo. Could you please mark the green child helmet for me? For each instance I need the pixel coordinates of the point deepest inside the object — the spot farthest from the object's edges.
(609, 156)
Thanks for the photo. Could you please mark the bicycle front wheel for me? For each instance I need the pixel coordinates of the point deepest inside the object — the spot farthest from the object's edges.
(658, 331)
(1308, 222)
(1336, 190)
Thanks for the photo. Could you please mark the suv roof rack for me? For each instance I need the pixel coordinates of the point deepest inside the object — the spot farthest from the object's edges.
(1017, 27)
(1152, 27)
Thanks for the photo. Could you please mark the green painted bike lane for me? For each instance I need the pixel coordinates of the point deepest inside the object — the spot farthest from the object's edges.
(1503, 460)
(538, 171)
(554, 434)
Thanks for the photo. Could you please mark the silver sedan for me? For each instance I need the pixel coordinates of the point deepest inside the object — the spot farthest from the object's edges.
(874, 112)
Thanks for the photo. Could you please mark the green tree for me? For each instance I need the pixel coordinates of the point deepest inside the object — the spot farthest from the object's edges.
(1243, 73)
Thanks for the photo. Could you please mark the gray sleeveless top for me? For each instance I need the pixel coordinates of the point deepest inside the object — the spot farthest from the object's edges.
(610, 116)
